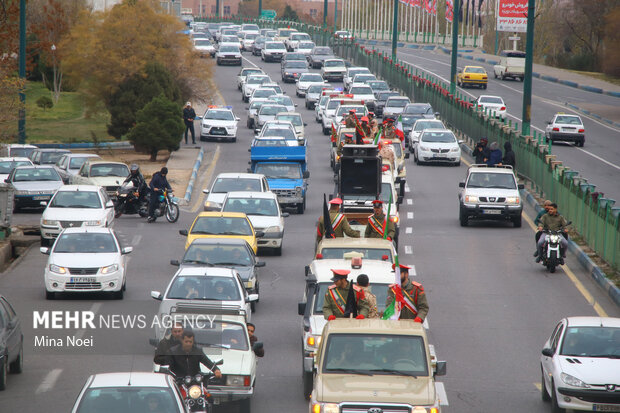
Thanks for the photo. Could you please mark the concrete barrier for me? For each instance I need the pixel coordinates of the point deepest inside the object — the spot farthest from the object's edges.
(590, 89)
(192, 179)
(86, 145)
(549, 78)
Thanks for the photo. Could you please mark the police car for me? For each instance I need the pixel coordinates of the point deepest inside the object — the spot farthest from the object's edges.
(219, 123)
(564, 127)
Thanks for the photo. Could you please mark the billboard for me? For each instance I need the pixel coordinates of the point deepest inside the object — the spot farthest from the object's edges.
(512, 16)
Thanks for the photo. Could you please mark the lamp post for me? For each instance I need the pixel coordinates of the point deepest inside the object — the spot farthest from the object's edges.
(324, 14)
(455, 46)
(54, 74)
(395, 31)
(21, 123)
(527, 79)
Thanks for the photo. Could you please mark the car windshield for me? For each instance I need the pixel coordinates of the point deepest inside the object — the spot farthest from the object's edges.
(222, 226)
(202, 42)
(248, 72)
(322, 50)
(333, 104)
(294, 119)
(269, 142)
(250, 27)
(21, 152)
(491, 99)
(85, 243)
(279, 171)
(220, 334)
(397, 103)
(364, 77)
(264, 93)
(229, 49)
(361, 90)
(283, 100)
(109, 169)
(270, 110)
(218, 254)
(380, 290)
(378, 85)
(7, 166)
(252, 206)
(295, 57)
(286, 33)
(323, 100)
(310, 77)
(204, 288)
(36, 174)
(386, 95)
(51, 157)
(219, 115)
(127, 399)
(76, 199)
(428, 124)
(250, 36)
(286, 133)
(596, 341)
(403, 355)
(296, 64)
(77, 162)
(418, 109)
(300, 36)
(225, 185)
(398, 149)
(275, 46)
(229, 39)
(568, 120)
(441, 136)
(366, 253)
(334, 63)
(491, 180)
(257, 104)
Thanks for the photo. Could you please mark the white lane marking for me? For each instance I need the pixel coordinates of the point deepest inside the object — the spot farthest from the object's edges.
(407, 189)
(576, 112)
(93, 308)
(249, 61)
(408, 230)
(441, 393)
(408, 250)
(409, 201)
(409, 215)
(48, 381)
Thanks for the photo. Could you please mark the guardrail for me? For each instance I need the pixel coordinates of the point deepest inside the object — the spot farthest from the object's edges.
(594, 217)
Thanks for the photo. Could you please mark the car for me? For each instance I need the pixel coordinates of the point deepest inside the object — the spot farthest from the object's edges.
(109, 175)
(400, 173)
(378, 86)
(69, 164)
(275, 86)
(258, 45)
(17, 150)
(48, 156)
(329, 112)
(363, 92)
(230, 40)
(292, 70)
(270, 141)
(511, 64)
(319, 106)
(436, 145)
(580, 364)
(280, 129)
(11, 342)
(415, 111)
(382, 98)
(333, 69)
(343, 109)
(419, 126)
(248, 41)
(232, 181)
(250, 27)
(493, 105)
(273, 51)
(343, 34)
(245, 72)
(362, 78)
(285, 101)
(293, 57)
(314, 92)
(263, 92)
(228, 53)
(266, 113)
(84, 260)
(218, 123)
(129, 391)
(472, 76)
(204, 47)
(263, 210)
(33, 184)
(75, 206)
(341, 132)
(374, 249)
(224, 252)
(9, 163)
(351, 72)
(490, 193)
(304, 81)
(568, 128)
(204, 285)
(222, 225)
(318, 55)
(252, 82)
(295, 38)
(297, 121)
(395, 105)
(254, 108)
(305, 48)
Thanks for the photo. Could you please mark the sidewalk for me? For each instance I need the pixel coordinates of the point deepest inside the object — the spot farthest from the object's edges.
(181, 166)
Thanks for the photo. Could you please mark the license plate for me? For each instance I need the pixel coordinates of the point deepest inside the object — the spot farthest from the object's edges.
(492, 211)
(83, 280)
(441, 155)
(605, 408)
(41, 198)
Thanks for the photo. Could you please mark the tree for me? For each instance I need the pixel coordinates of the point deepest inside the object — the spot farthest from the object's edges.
(611, 54)
(160, 126)
(136, 92)
(10, 105)
(44, 102)
(289, 14)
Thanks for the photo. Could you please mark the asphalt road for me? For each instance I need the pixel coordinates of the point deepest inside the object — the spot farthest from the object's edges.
(492, 308)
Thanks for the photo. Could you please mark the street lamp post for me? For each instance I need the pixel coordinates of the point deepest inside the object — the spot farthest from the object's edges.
(21, 123)
(324, 14)
(395, 31)
(455, 46)
(527, 79)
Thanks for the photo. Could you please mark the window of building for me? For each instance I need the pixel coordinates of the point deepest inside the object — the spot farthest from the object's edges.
(313, 12)
(212, 9)
(226, 10)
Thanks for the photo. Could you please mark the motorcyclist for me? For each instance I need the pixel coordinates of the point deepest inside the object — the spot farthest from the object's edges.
(185, 359)
(552, 221)
(136, 178)
(157, 185)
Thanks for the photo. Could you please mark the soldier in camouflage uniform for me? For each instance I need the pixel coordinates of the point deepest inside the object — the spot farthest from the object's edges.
(371, 299)
(336, 297)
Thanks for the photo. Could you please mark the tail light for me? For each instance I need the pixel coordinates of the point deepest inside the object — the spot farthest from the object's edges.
(246, 381)
(394, 219)
(484, 78)
(385, 168)
(502, 108)
(556, 129)
(479, 106)
(581, 130)
(466, 76)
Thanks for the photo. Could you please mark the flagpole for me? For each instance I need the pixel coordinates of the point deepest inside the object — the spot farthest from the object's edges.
(385, 224)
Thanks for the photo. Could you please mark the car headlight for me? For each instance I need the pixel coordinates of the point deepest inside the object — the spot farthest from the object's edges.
(249, 284)
(515, 200)
(456, 149)
(93, 223)
(50, 222)
(109, 269)
(424, 148)
(58, 269)
(237, 380)
(573, 381)
(206, 125)
(394, 218)
(471, 198)
(195, 392)
(274, 228)
(298, 190)
(325, 408)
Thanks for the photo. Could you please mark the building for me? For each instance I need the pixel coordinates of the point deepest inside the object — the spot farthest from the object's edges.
(207, 7)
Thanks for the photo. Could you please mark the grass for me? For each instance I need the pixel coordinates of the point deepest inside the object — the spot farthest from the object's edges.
(65, 122)
(600, 76)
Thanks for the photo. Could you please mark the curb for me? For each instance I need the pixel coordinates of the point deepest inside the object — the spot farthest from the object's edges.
(591, 268)
(86, 145)
(588, 113)
(192, 179)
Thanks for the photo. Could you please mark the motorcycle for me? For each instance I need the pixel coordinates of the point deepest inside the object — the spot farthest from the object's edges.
(194, 390)
(167, 206)
(551, 254)
(128, 201)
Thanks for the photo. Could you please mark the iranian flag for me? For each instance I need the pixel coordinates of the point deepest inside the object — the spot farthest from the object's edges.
(400, 132)
(392, 311)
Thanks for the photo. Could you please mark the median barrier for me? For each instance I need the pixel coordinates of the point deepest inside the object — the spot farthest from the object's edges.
(590, 89)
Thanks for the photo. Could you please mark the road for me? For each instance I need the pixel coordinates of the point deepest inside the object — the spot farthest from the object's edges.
(492, 308)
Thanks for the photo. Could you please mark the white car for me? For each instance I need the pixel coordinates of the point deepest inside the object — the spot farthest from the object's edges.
(263, 93)
(8, 164)
(437, 145)
(204, 47)
(494, 105)
(319, 107)
(279, 128)
(255, 105)
(304, 81)
(333, 69)
(362, 78)
(420, 126)
(266, 113)
(295, 38)
(248, 41)
(109, 175)
(394, 106)
(285, 101)
(273, 51)
(580, 365)
(351, 72)
(314, 92)
(263, 210)
(228, 53)
(219, 123)
(233, 40)
(343, 110)
(86, 260)
(275, 86)
(343, 34)
(245, 72)
(563, 127)
(363, 92)
(253, 82)
(329, 111)
(297, 121)
(305, 48)
(75, 206)
(70, 163)
(232, 181)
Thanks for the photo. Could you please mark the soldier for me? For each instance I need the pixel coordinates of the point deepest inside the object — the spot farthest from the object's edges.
(366, 127)
(371, 299)
(348, 139)
(374, 125)
(386, 152)
(340, 223)
(389, 130)
(415, 306)
(350, 121)
(336, 297)
(376, 223)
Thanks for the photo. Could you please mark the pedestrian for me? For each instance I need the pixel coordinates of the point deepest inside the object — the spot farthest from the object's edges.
(377, 224)
(369, 297)
(509, 156)
(415, 305)
(340, 223)
(335, 301)
(481, 151)
(188, 117)
(253, 339)
(495, 155)
(166, 343)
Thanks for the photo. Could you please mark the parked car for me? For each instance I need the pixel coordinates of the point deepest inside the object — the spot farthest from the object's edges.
(109, 175)
(46, 156)
(16, 150)
(8, 164)
(11, 342)
(33, 184)
(70, 163)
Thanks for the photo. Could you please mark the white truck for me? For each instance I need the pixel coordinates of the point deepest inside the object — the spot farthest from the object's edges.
(511, 64)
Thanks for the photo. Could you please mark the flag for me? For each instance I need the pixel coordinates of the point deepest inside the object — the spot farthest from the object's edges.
(378, 135)
(400, 131)
(449, 10)
(327, 221)
(350, 308)
(333, 137)
(359, 132)
(387, 218)
(392, 311)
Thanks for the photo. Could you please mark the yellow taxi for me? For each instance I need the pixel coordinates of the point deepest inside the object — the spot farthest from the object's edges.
(222, 225)
(472, 76)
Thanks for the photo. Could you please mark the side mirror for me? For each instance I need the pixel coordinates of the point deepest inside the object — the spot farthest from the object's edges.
(43, 203)
(183, 232)
(257, 346)
(461, 184)
(127, 250)
(156, 295)
(441, 368)
(301, 308)
(205, 191)
(164, 369)
(260, 264)
(176, 263)
(45, 250)
(251, 298)
(236, 118)
(407, 154)
(109, 204)
(7, 181)
(285, 214)
(306, 174)
(259, 234)
(521, 186)
(295, 104)
(461, 141)
(547, 352)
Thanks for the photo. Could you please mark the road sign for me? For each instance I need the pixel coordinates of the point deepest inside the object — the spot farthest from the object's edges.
(514, 38)
(268, 14)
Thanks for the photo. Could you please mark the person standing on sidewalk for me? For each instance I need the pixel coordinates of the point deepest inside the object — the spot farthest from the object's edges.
(188, 117)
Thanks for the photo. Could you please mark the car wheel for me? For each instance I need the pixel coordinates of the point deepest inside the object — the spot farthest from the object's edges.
(484, 86)
(301, 207)
(253, 306)
(554, 401)
(501, 76)
(326, 131)
(495, 74)
(517, 221)
(218, 62)
(234, 139)
(581, 143)
(3, 373)
(457, 163)
(50, 295)
(543, 388)
(118, 295)
(45, 242)
(17, 366)
(463, 218)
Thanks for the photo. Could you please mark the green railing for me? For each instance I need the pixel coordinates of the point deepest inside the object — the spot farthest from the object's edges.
(595, 218)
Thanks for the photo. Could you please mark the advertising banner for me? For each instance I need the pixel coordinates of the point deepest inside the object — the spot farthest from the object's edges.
(449, 10)
(512, 16)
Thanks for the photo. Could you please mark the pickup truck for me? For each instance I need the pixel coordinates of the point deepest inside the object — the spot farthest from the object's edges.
(285, 169)
(511, 64)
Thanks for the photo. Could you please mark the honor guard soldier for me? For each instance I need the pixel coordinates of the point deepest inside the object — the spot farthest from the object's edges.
(415, 304)
(389, 130)
(335, 300)
(376, 223)
(340, 223)
(350, 121)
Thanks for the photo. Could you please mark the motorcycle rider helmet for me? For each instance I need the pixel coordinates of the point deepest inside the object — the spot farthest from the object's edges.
(134, 168)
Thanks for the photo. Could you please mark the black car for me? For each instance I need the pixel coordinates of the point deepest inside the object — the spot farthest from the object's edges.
(258, 45)
(49, 156)
(291, 70)
(11, 342)
(319, 55)
(293, 57)
(415, 111)
(382, 97)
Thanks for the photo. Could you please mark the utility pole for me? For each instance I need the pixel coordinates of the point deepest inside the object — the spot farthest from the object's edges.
(21, 123)
(395, 31)
(527, 80)
(217, 8)
(335, 14)
(324, 14)
(260, 8)
(455, 46)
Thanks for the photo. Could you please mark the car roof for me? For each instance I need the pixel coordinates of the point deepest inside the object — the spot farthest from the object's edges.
(505, 169)
(243, 175)
(375, 326)
(288, 114)
(593, 322)
(206, 271)
(379, 271)
(53, 150)
(97, 230)
(216, 214)
(20, 145)
(356, 242)
(219, 241)
(15, 159)
(95, 161)
(83, 155)
(256, 195)
(129, 379)
(35, 167)
(79, 188)
(437, 129)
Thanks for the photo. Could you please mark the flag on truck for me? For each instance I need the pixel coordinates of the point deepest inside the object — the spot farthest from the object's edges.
(350, 309)
(328, 229)
(400, 131)
(392, 311)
